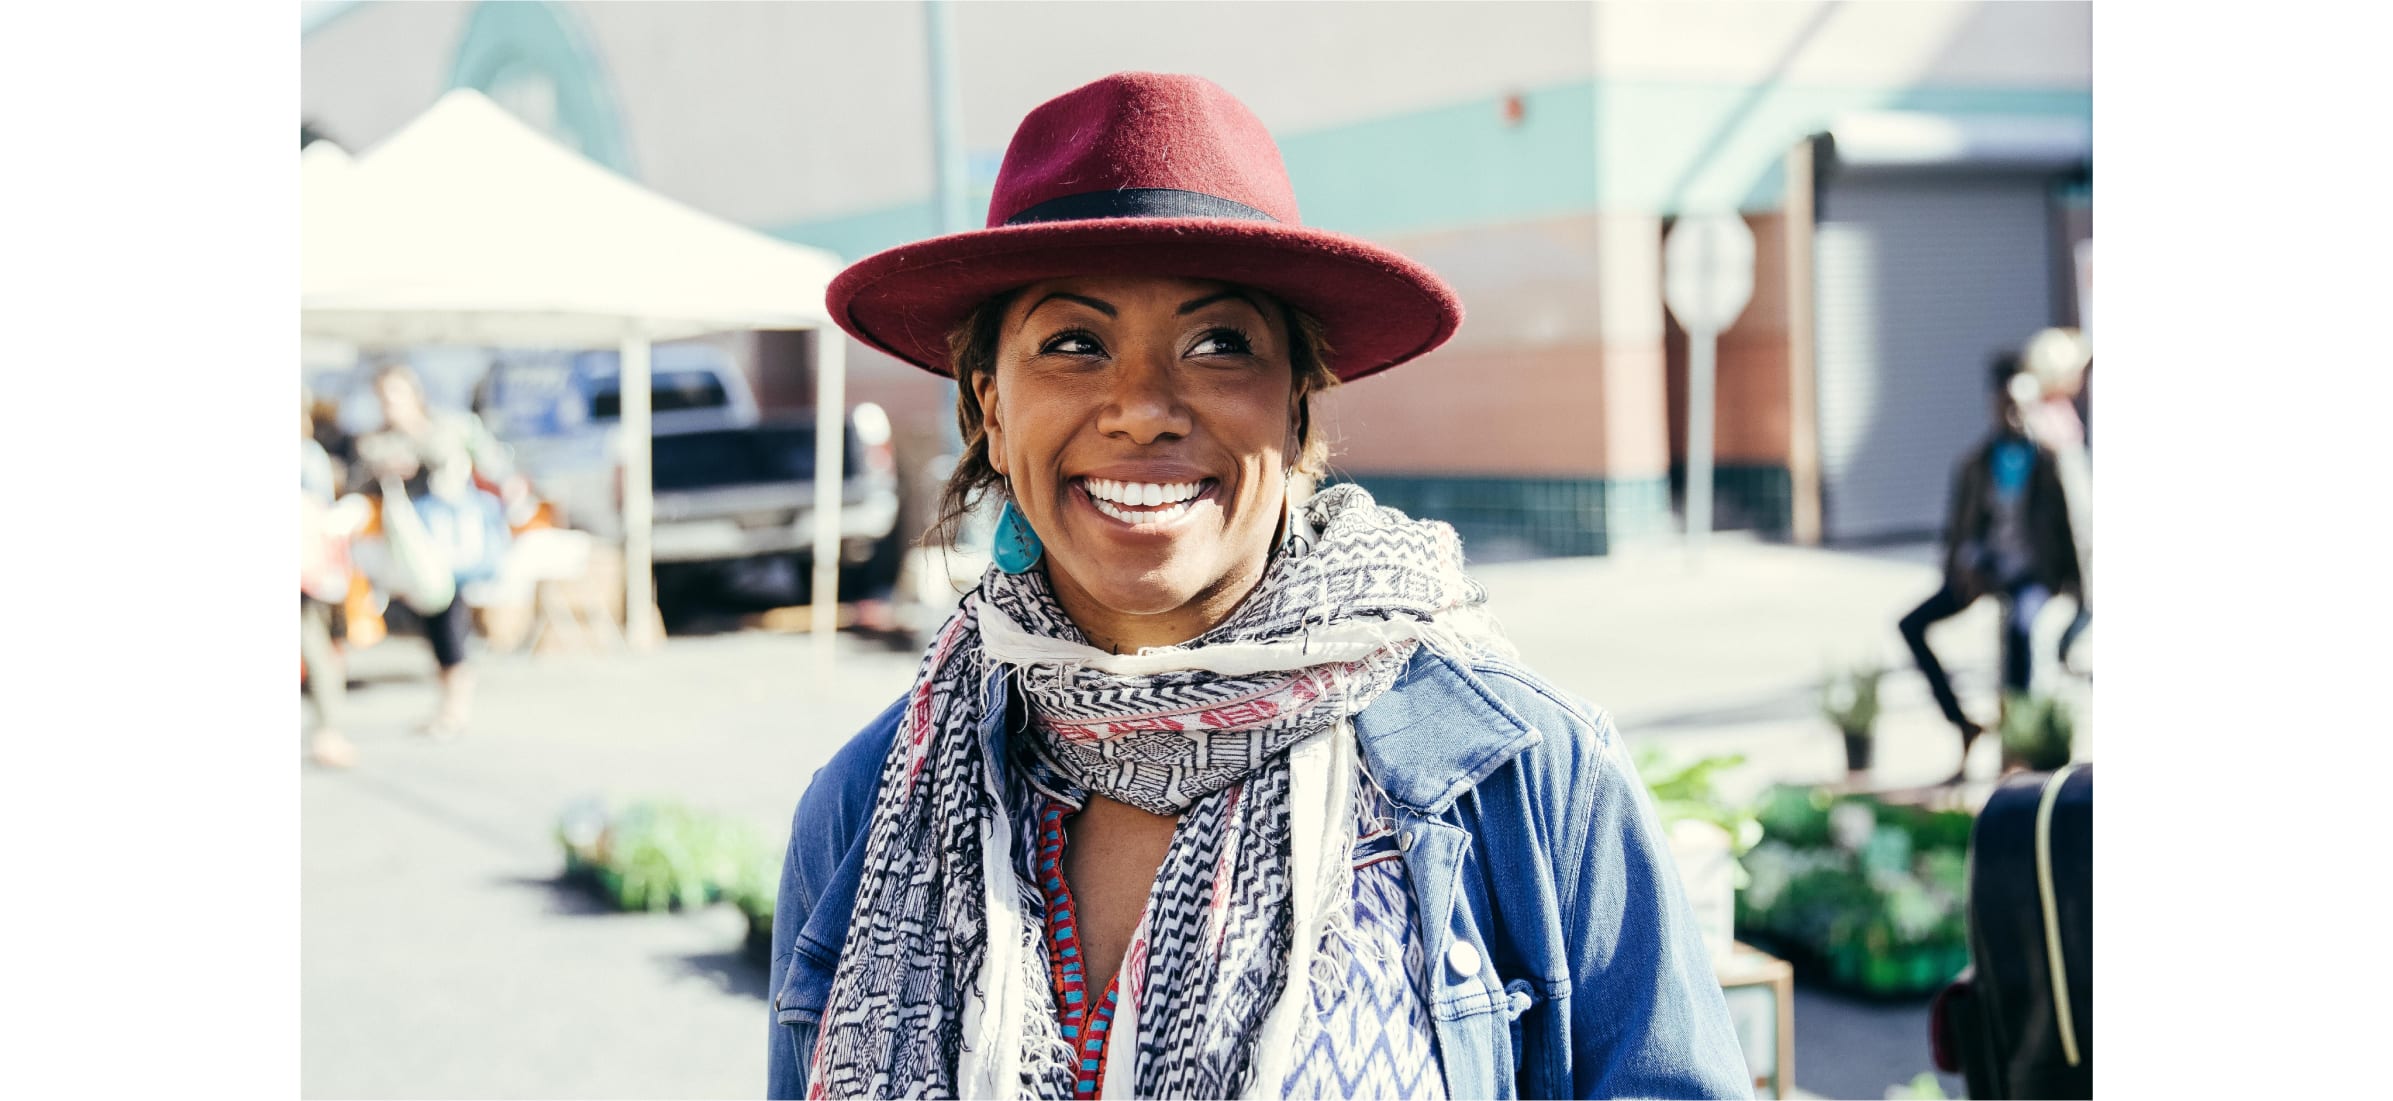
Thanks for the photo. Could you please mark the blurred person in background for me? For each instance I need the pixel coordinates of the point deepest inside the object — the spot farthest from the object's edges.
(436, 455)
(356, 620)
(324, 579)
(2008, 536)
(1216, 786)
(2058, 360)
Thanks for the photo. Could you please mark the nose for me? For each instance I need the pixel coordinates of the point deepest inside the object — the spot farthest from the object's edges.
(1145, 404)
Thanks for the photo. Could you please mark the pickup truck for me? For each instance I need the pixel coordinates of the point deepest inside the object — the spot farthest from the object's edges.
(743, 499)
(734, 491)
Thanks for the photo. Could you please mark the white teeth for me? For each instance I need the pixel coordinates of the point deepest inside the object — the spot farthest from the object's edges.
(1141, 494)
(1141, 519)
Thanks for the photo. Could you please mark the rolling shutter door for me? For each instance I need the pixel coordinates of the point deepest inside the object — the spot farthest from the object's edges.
(1920, 279)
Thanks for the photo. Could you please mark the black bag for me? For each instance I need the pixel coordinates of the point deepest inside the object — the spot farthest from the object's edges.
(2019, 1022)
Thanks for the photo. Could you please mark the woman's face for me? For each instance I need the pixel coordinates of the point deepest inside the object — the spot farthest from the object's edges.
(1145, 426)
(402, 403)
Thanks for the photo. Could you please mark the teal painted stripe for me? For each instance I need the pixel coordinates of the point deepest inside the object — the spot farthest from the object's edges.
(527, 39)
(315, 15)
(1757, 497)
(1458, 164)
(1501, 518)
(1622, 145)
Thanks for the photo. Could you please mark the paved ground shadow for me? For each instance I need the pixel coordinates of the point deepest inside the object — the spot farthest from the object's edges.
(732, 972)
(574, 897)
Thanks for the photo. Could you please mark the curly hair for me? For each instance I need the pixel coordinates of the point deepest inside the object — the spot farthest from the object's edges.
(972, 352)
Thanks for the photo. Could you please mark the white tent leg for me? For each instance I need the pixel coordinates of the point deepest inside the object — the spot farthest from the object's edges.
(830, 440)
(639, 499)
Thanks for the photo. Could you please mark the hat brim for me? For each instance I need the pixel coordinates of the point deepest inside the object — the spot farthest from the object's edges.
(1377, 309)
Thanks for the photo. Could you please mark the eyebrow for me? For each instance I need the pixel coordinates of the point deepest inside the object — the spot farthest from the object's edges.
(1195, 304)
(1096, 304)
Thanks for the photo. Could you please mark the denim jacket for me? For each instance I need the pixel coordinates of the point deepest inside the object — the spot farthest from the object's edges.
(1563, 959)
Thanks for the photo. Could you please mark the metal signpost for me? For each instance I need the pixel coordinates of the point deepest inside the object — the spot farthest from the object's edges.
(1707, 278)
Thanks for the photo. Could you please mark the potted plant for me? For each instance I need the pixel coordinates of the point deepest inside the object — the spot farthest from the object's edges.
(2038, 732)
(657, 855)
(1850, 700)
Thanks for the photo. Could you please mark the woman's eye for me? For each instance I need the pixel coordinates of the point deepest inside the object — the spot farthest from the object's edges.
(1073, 343)
(1222, 342)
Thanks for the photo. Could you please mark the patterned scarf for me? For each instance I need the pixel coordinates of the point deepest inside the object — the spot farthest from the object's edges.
(942, 990)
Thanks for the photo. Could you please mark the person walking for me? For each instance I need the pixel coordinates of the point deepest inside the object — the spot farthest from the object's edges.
(1217, 785)
(436, 456)
(323, 584)
(2007, 535)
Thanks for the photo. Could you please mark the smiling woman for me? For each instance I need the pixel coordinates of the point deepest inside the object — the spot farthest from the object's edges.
(1216, 786)
(1148, 428)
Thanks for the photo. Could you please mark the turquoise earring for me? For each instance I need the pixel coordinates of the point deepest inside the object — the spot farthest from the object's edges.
(1017, 547)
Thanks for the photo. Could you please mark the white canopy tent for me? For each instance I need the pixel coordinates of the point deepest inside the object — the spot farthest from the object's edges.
(323, 187)
(470, 227)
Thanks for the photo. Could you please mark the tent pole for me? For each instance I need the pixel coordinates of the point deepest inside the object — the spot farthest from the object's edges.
(947, 159)
(830, 439)
(639, 497)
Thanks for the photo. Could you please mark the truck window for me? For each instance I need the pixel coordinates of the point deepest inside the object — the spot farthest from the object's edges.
(669, 392)
(701, 460)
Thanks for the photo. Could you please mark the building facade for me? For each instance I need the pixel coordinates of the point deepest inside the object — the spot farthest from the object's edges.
(1916, 174)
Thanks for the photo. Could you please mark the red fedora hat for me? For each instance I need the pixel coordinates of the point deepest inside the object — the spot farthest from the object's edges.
(1149, 174)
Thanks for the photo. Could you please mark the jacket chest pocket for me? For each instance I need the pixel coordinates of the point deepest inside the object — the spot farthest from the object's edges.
(1477, 1014)
(804, 988)
(1470, 1005)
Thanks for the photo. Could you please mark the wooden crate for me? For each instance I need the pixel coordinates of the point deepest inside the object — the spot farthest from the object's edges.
(1760, 989)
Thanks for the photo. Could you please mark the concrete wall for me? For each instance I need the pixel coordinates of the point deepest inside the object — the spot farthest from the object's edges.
(368, 71)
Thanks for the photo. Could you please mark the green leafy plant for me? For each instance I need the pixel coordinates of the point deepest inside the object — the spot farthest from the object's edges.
(658, 855)
(1870, 892)
(2038, 732)
(1795, 815)
(1690, 790)
(754, 892)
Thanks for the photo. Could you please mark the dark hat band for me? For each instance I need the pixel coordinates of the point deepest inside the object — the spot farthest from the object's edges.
(1137, 202)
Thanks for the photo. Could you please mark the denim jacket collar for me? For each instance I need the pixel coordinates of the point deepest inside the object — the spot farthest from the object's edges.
(1437, 734)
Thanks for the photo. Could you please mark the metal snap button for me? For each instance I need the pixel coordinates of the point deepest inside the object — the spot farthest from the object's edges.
(1462, 959)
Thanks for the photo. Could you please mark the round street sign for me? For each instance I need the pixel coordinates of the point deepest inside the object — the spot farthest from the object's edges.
(1707, 271)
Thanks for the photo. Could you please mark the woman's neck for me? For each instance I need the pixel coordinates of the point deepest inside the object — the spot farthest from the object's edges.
(1120, 632)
